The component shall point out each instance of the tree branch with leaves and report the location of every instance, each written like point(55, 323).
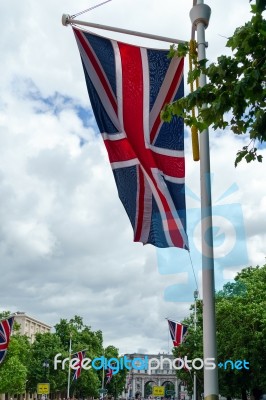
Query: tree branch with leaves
point(235, 95)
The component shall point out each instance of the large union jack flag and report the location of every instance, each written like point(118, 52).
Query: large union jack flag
point(128, 87)
point(178, 332)
point(80, 355)
point(5, 333)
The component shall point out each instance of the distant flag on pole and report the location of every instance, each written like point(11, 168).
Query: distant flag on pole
point(109, 375)
point(5, 333)
point(128, 87)
point(178, 332)
point(80, 355)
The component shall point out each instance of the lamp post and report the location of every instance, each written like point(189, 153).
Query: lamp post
point(45, 367)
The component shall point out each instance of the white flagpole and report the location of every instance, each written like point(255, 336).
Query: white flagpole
point(102, 394)
point(67, 20)
point(69, 369)
point(103, 383)
point(200, 15)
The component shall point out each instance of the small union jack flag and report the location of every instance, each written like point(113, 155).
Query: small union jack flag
point(128, 86)
point(5, 333)
point(109, 375)
point(80, 355)
point(177, 332)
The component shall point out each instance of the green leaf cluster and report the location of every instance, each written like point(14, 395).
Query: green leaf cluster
point(241, 335)
point(235, 95)
point(23, 367)
point(13, 374)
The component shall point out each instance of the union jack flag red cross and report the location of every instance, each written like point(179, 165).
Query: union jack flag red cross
point(5, 333)
point(80, 355)
point(128, 87)
point(109, 375)
point(178, 332)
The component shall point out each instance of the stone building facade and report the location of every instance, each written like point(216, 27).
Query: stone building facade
point(30, 326)
point(161, 374)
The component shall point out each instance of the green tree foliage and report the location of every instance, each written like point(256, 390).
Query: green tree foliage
point(235, 95)
point(43, 350)
point(148, 390)
point(13, 370)
point(242, 316)
point(82, 338)
point(23, 367)
point(13, 376)
point(241, 335)
point(192, 347)
point(118, 381)
point(86, 385)
point(4, 315)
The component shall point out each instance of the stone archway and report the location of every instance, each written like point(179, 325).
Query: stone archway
point(169, 388)
point(148, 388)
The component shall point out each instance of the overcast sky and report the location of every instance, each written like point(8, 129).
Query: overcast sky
point(65, 241)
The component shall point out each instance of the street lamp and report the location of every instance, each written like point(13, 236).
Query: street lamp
point(45, 366)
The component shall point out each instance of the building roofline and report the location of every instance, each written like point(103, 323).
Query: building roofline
point(24, 315)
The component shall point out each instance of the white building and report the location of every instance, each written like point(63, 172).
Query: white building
point(30, 326)
point(160, 374)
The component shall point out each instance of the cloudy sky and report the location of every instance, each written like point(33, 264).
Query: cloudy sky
point(65, 242)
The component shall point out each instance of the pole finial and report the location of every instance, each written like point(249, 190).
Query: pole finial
point(65, 19)
point(200, 13)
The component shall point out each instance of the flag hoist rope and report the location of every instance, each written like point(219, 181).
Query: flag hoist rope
point(89, 9)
